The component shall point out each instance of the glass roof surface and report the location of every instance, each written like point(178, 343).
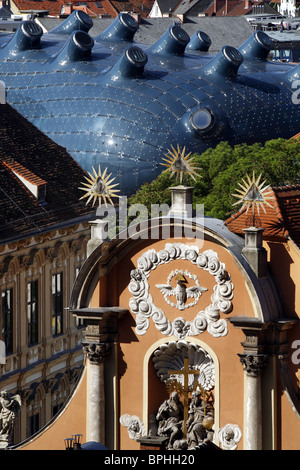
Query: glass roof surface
point(125, 109)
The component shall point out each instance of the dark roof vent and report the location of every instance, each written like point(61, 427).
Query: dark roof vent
point(123, 28)
point(77, 47)
point(173, 42)
point(257, 46)
point(130, 65)
point(77, 21)
point(200, 41)
point(27, 36)
point(226, 63)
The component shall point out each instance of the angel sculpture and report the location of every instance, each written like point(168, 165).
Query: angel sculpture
point(10, 407)
point(181, 292)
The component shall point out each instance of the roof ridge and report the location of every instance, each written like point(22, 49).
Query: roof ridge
point(286, 187)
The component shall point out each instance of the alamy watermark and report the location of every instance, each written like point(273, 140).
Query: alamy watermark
point(296, 354)
point(296, 93)
point(136, 221)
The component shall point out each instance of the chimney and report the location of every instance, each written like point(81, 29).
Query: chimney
point(98, 235)
point(2, 93)
point(2, 352)
point(182, 201)
point(254, 252)
point(218, 4)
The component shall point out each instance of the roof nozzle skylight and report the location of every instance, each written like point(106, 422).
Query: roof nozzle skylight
point(27, 37)
point(77, 21)
point(123, 28)
point(200, 41)
point(130, 65)
point(257, 46)
point(173, 42)
point(78, 47)
point(226, 63)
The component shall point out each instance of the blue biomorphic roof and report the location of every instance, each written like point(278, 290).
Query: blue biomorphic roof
point(112, 101)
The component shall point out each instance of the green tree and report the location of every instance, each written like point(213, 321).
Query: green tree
point(222, 168)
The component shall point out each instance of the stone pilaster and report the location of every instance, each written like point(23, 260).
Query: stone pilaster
point(254, 360)
point(100, 335)
point(254, 366)
point(96, 354)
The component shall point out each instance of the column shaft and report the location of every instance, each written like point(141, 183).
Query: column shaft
point(95, 403)
point(253, 418)
point(253, 364)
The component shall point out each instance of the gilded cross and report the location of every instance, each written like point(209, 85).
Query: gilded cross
point(185, 372)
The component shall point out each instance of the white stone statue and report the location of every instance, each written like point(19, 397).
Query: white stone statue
point(9, 409)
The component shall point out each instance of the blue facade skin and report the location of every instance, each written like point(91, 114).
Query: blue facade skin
point(111, 101)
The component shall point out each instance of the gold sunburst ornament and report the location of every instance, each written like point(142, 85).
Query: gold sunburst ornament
point(179, 163)
point(99, 186)
point(253, 194)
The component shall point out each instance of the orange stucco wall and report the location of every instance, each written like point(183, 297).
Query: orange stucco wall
point(70, 421)
point(140, 390)
point(284, 259)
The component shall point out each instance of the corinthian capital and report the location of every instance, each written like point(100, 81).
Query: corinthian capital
point(96, 352)
point(253, 364)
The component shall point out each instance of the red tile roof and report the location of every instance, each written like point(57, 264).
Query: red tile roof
point(91, 7)
point(30, 153)
point(232, 8)
point(280, 222)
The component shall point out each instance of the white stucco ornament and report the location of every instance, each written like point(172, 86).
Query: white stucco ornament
point(229, 436)
point(170, 356)
point(134, 424)
point(142, 305)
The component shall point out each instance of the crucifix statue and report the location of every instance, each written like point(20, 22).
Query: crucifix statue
point(185, 372)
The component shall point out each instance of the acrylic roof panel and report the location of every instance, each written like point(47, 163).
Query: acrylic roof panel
point(111, 101)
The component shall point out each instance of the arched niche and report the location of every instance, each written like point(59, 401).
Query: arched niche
point(149, 372)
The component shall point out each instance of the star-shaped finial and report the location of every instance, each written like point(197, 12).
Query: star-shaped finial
point(99, 187)
point(180, 164)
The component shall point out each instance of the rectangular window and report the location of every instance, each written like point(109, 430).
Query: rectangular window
point(56, 409)
point(33, 312)
point(8, 319)
point(57, 304)
point(33, 424)
point(79, 321)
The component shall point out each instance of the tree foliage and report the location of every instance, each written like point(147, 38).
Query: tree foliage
point(222, 168)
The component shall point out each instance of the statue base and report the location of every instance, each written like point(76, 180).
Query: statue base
point(153, 443)
point(4, 443)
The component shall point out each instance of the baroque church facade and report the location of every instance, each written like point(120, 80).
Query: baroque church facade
point(188, 341)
